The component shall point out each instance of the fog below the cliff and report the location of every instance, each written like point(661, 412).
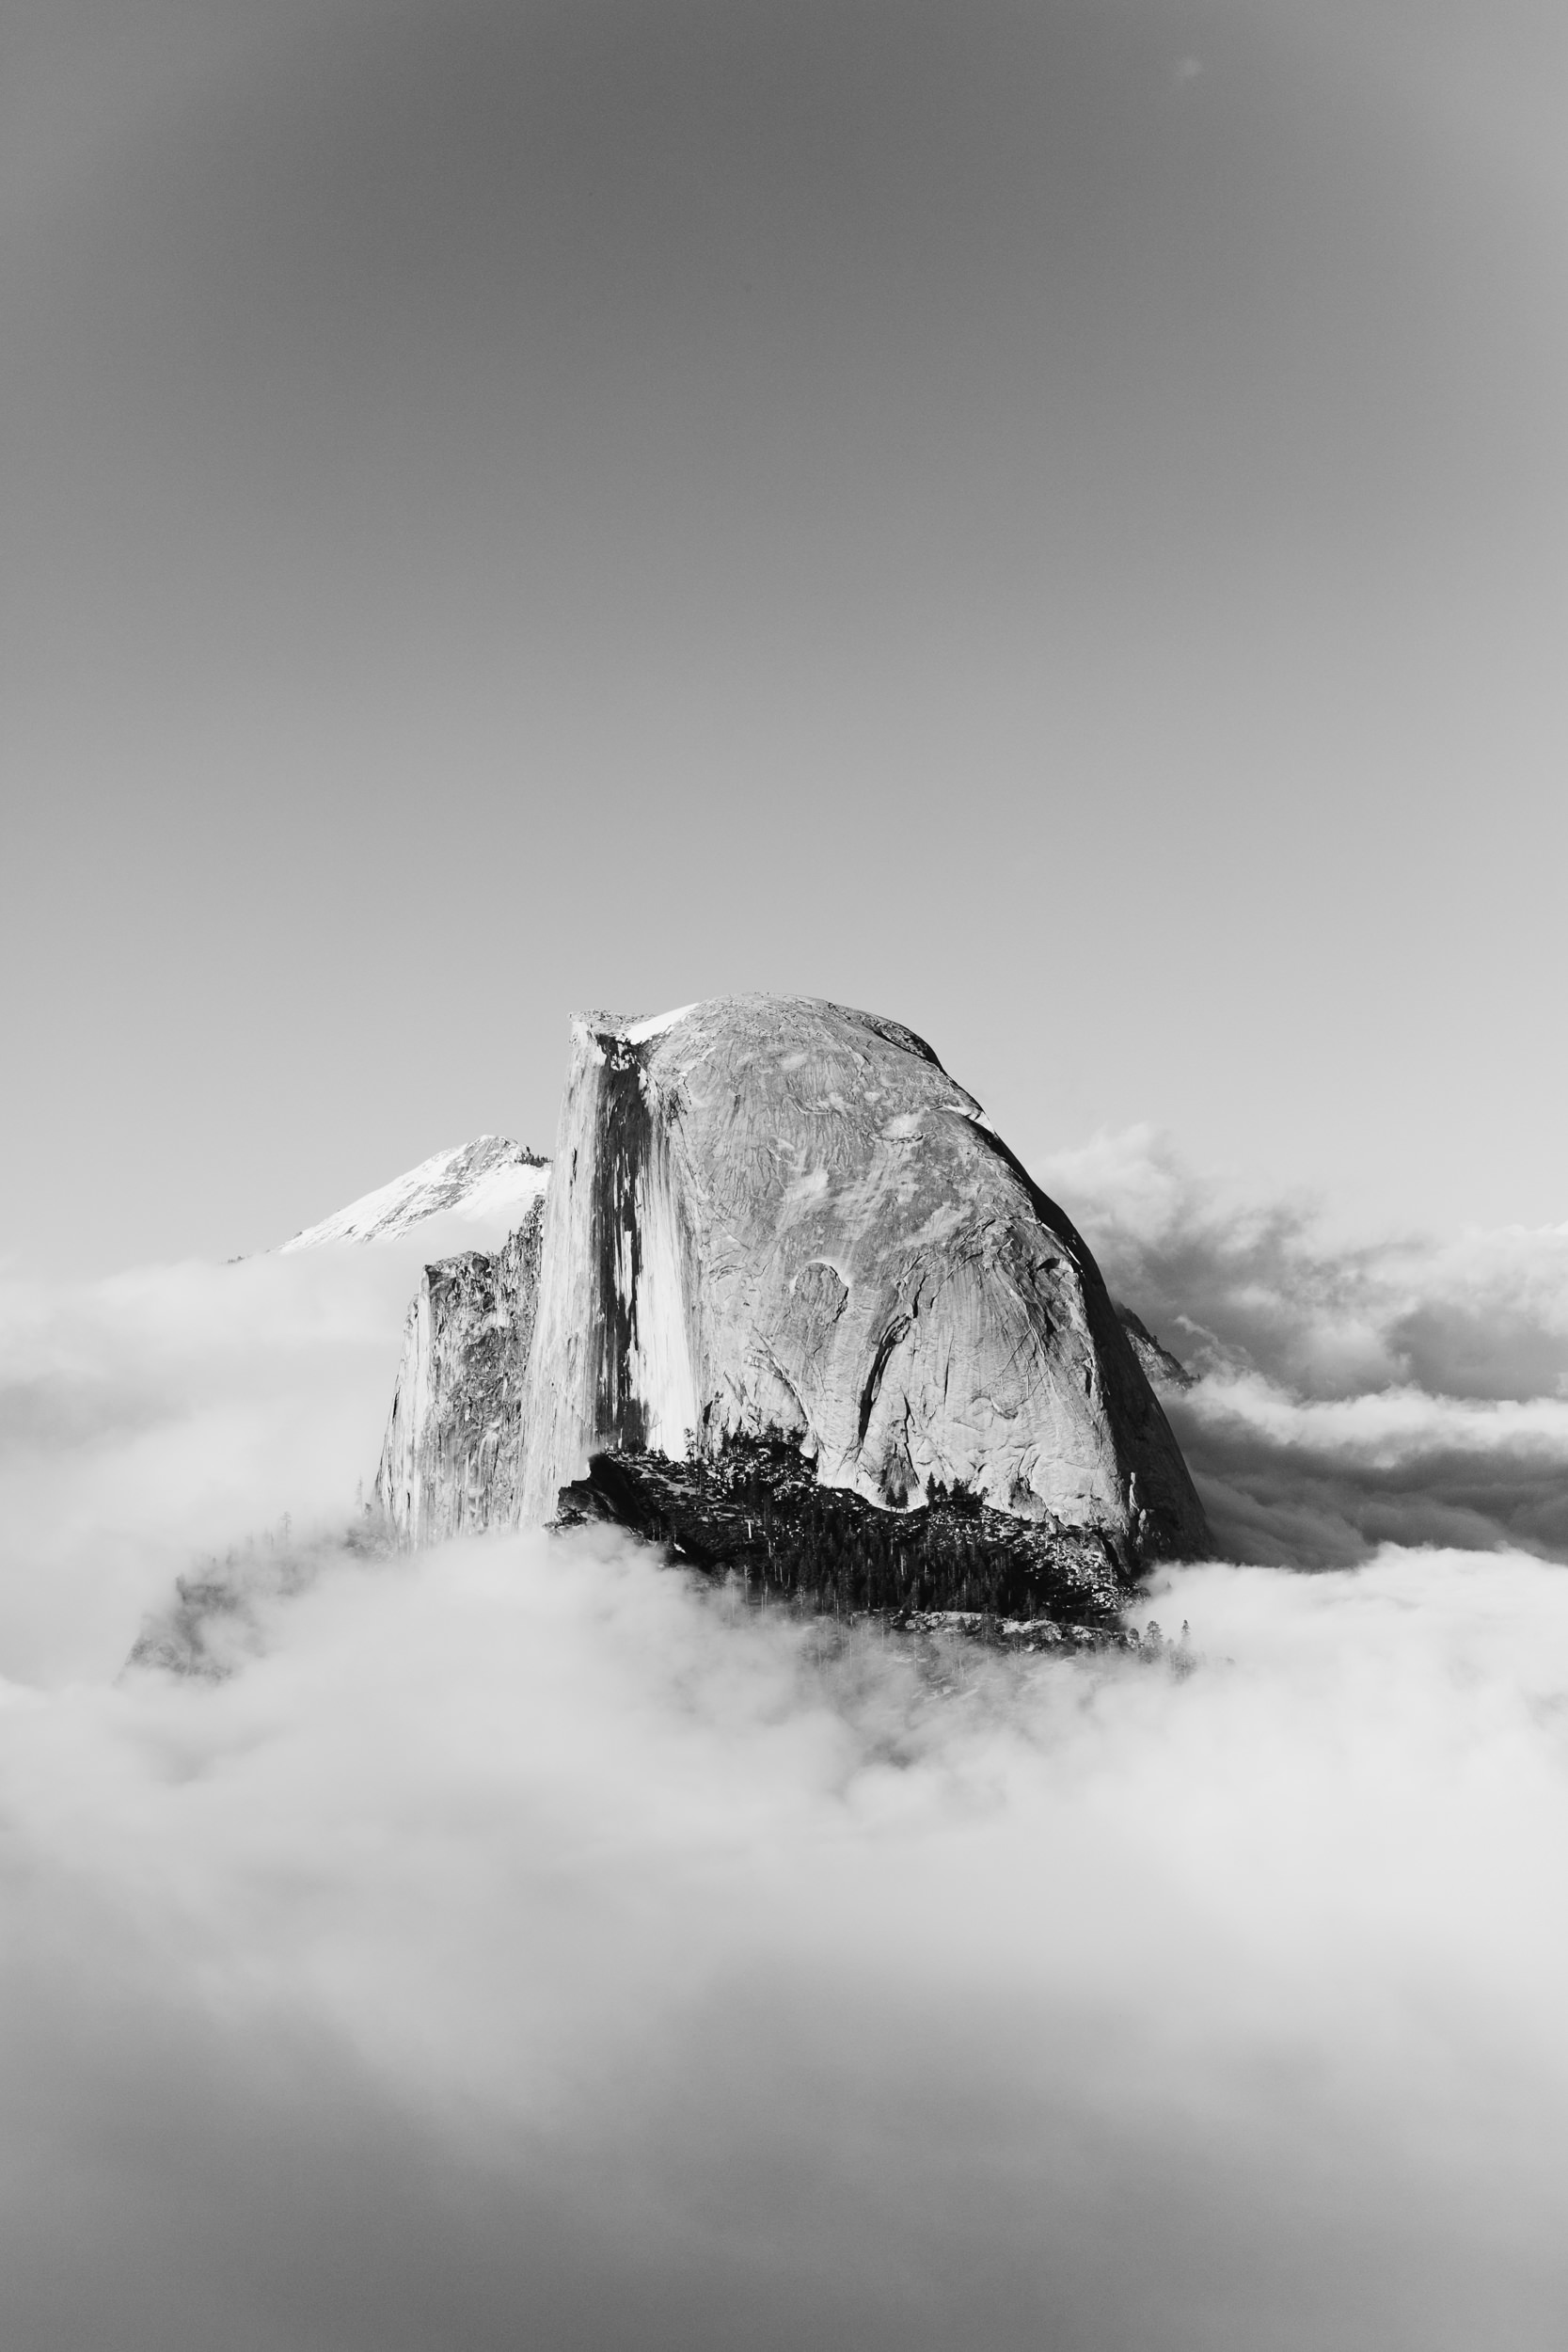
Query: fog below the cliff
point(526, 1946)
point(1404, 1389)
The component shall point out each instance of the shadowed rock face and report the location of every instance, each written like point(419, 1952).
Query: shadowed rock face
point(776, 1216)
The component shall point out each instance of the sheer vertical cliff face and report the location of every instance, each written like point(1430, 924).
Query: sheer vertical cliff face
point(451, 1461)
point(620, 1287)
point(779, 1216)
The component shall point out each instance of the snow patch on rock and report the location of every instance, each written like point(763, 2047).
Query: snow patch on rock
point(487, 1182)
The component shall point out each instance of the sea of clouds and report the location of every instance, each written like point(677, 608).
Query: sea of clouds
point(530, 1946)
point(1406, 1391)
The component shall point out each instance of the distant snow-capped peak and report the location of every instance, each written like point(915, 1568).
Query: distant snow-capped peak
point(479, 1182)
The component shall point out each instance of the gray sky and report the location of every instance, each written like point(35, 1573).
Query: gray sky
point(1046, 520)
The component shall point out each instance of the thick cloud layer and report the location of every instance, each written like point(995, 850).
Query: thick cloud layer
point(165, 1414)
point(528, 1946)
point(528, 1949)
point(1406, 1390)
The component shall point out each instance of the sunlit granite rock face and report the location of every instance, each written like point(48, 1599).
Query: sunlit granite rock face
point(451, 1461)
point(773, 1219)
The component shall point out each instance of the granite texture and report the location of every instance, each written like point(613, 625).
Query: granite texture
point(776, 1217)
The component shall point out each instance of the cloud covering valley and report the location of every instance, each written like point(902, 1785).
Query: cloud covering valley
point(1404, 1390)
point(527, 1944)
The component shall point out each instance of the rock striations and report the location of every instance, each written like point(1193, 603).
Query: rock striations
point(788, 1277)
point(451, 1461)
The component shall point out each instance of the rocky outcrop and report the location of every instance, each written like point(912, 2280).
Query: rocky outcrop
point(451, 1464)
point(774, 1219)
point(754, 1508)
point(1163, 1369)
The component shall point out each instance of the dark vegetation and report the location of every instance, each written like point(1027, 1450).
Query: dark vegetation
point(754, 1509)
point(954, 1569)
point(215, 1622)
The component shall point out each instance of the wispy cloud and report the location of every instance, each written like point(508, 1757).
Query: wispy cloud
point(1405, 1390)
point(155, 1415)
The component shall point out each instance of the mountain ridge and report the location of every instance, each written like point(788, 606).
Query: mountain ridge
point(476, 1180)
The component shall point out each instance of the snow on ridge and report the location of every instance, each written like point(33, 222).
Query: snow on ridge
point(484, 1179)
point(639, 1032)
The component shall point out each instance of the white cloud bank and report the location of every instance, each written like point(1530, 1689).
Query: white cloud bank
point(1406, 1391)
point(530, 1949)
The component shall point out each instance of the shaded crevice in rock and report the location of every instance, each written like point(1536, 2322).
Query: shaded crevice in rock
point(620, 1160)
point(885, 1346)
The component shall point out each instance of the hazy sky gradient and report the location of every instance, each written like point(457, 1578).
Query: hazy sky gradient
point(1048, 521)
